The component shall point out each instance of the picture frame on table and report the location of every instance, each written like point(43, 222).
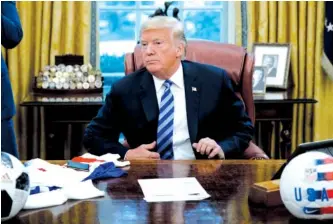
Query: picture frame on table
point(259, 80)
point(276, 58)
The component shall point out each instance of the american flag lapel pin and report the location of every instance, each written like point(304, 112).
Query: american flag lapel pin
point(194, 89)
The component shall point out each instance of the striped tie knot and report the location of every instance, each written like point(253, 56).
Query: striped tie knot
point(167, 84)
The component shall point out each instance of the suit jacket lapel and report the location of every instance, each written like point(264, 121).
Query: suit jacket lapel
point(148, 97)
point(192, 95)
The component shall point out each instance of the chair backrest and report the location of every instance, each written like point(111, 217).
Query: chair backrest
point(234, 59)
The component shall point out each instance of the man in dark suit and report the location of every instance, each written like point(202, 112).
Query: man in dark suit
point(170, 109)
point(258, 80)
point(11, 35)
point(268, 62)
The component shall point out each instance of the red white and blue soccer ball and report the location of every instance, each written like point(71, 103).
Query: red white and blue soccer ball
point(306, 186)
point(14, 186)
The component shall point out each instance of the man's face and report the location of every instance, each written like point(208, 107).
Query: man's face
point(268, 62)
point(160, 52)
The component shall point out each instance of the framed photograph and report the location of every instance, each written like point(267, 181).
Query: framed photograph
point(276, 59)
point(259, 80)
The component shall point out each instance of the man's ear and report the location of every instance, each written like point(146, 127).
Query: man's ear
point(180, 49)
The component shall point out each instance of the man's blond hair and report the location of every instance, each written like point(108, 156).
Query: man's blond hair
point(161, 22)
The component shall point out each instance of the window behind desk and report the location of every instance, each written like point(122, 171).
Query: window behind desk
point(119, 24)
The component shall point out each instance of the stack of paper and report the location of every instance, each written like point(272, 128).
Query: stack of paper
point(172, 189)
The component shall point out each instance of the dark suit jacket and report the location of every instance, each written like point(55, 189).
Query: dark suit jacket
point(131, 107)
point(11, 35)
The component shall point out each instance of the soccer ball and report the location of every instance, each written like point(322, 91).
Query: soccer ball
point(14, 186)
point(306, 186)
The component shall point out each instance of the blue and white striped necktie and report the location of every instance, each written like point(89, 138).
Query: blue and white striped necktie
point(165, 123)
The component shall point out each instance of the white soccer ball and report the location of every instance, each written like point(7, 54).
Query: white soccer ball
point(306, 186)
point(14, 186)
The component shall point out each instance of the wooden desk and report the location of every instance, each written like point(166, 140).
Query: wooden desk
point(227, 182)
point(61, 115)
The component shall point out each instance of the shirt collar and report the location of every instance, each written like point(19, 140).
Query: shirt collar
point(177, 79)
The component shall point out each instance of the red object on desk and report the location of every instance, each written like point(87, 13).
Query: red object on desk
point(80, 159)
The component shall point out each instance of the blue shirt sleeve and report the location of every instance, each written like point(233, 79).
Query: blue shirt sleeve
point(11, 29)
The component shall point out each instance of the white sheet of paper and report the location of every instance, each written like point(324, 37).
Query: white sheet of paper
point(172, 189)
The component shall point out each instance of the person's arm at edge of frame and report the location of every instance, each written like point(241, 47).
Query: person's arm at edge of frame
point(243, 130)
point(102, 134)
point(11, 29)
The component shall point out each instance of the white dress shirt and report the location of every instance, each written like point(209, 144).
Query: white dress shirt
point(182, 148)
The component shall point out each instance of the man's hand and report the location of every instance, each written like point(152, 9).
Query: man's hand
point(207, 146)
point(142, 152)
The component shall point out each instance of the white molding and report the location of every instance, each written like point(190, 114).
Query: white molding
point(231, 23)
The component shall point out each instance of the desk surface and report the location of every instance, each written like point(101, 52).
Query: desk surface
point(227, 182)
point(97, 99)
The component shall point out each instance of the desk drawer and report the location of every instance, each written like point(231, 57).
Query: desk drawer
point(276, 112)
point(71, 114)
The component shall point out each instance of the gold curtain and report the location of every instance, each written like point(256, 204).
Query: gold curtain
point(301, 24)
point(49, 28)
